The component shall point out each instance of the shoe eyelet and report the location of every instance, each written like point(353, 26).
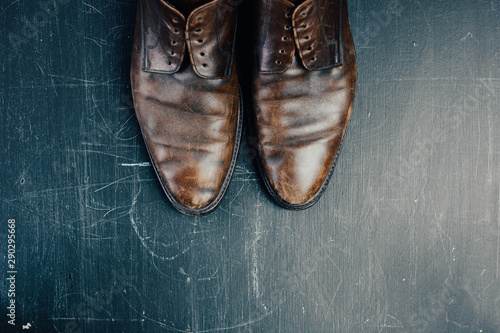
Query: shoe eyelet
point(313, 59)
point(204, 65)
point(307, 37)
point(199, 30)
point(202, 54)
point(170, 63)
point(284, 38)
point(278, 62)
point(303, 26)
point(200, 41)
point(176, 30)
point(287, 27)
point(200, 19)
point(175, 20)
point(303, 14)
point(288, 15)
point(309, 48)
point(172, 52)
point(174, 42)
point(282, 51)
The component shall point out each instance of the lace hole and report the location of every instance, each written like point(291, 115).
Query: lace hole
point(175, 20)
point(198, 30)
point(204, 65)
point(176, 30)
point(200, 41)
point(288, 15)
point(172, 52)
point(303, 14)
point(284, 38)
point(282, 51)
point(309, 48)
point(200, 19)
point(313, 59)
point(278, 62)
point(307, 37)
point(287, 27)
point(174, 42)
point(303, 26)
point(202, 54)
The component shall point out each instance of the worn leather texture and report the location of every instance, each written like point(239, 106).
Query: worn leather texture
point(303, 97)
point(186, 98)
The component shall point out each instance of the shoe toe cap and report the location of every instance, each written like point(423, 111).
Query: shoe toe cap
point(297, 176)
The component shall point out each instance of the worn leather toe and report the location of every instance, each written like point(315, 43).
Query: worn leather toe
point(303, 93)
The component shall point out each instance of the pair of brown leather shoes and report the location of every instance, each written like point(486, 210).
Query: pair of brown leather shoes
point(188, 103)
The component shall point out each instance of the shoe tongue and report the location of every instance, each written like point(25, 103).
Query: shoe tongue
point(187, 6)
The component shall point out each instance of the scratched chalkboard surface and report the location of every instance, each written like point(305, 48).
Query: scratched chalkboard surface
point(405, 239)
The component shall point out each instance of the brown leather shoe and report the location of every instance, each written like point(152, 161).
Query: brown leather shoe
point(303, 93)
point(186, 97)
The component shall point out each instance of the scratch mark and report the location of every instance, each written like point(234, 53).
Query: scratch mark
point(121, 145)
point(12, 4)
point(244, 324)
point(73, 78)
point(498, 239)
point(469, 35)
point(254, 242)
point(96, 42)
point(142, 164)
point(49, 192)
point(144, 240)
point(94, 319)
point(85, 151)
point(446, 254)
point(497, 270)
point(97, 10)
point(490, 149)
point(210, 277)
point(107, 126)
point(100, 238)
point(53, 85)
point(243, 171)
point(125, 123)
point(341, 278)
point(120, 29)
point(41, 70)
point(23, 173)
point(112, 183)
point(111, 210)
point(104, 207)
point(236, 196)
point(224, 210)
point(255, 255)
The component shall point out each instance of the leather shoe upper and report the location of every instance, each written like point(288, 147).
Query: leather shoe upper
point(186, 98)
point(303, 93)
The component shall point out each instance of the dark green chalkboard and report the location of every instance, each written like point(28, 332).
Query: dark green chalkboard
point(405, 239)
